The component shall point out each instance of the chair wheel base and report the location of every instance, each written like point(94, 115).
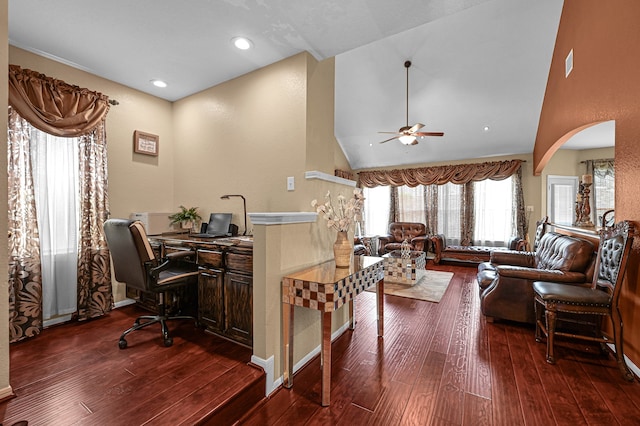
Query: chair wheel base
point(122, 344)
point(550, 360)
point(168, 341)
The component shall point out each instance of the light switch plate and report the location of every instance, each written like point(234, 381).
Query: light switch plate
point(291, 183)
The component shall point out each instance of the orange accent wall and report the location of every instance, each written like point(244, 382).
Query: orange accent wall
point(604, 85)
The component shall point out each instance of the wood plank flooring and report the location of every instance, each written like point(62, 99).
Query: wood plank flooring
point(439, 363)
point(443, 364)
point(75, 374)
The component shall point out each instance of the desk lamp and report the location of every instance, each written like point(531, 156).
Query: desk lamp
point(244, 204)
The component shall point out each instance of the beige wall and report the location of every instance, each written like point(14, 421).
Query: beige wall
point(5, 387)
point(246, 136)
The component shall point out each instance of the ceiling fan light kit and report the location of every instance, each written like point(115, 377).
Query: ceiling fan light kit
point(409, 135)
point(407, 139)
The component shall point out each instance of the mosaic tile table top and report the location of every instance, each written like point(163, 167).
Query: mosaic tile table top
point(327, 288)
point(404, 271)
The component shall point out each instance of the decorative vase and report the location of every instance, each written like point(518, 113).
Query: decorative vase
point(342, 250)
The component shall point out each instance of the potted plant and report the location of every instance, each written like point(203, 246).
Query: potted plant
point(188, 218)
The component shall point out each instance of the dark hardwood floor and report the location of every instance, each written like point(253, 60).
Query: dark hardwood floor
point(442, 363)
point(75, 374)
point(439, 363)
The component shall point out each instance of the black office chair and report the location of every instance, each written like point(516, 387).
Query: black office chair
point(135, 264)
point(598, 300)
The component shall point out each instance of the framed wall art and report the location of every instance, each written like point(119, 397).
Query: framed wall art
point(145, 143)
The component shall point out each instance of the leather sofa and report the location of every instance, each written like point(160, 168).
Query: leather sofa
point(506, 282)
point(415, 234)
point(471, 253)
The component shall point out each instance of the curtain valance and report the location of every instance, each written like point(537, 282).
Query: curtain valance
point(458, 174)
point(54, 106)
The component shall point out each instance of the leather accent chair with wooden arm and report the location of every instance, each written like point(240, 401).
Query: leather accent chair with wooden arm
point(557, 302)
point(135, 264)
point(415, 233)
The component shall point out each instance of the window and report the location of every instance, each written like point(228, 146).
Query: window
point(56, 183)
point(493, 205)
point(450, 211)
point(561, 197)
point(411, 204)
point(376, 210)
point(604, 188)
point(495, 216)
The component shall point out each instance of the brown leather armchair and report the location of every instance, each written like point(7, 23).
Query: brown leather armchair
point(506, 290)
point(415, 234)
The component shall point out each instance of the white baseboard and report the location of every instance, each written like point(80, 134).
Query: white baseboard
point(6, 393)
point(56, 320)
point(267, 366)
point(272, 384)
point(124, 302)
point(634, 368)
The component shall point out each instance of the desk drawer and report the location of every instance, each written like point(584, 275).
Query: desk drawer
point(240, 262)
point(210, 257)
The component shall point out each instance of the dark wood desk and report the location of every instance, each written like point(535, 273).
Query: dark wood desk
point(326, 288)
point(225, 284)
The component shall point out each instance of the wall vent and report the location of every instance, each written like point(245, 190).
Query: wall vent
point(568, 64)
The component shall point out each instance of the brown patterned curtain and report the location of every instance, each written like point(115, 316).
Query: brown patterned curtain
point(467, 215)
point(95, 297)
point(462, 174)
point(25, 285)
point(54, 106)
point(394, 205)
point(431, 208)
point(63, 110)
point(343, 174)
point(522, 221)
point(459, 174)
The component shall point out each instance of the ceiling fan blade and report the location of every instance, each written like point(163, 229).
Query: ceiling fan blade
point(391, 133)
point(416, 127)
point(429, 134)
point(390, 139)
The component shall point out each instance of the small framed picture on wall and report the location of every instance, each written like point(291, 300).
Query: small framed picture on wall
point(145, 143)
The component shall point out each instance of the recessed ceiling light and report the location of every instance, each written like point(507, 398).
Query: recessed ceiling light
point(486, 128)
point(158, 83)
point(242, 43)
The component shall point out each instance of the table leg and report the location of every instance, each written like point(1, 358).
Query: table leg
point(352, 316)
point(326, 357)
point(380, 302)
point(287, 338)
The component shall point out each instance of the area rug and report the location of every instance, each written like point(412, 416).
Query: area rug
point(431, 286)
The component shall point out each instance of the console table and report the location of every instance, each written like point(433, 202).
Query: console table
point(326, 288)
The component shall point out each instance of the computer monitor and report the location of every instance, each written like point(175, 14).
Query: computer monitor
point(219, 224)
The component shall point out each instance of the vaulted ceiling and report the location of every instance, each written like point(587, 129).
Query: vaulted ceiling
point(476, 64)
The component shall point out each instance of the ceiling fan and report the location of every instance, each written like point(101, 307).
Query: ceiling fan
point(409, 135)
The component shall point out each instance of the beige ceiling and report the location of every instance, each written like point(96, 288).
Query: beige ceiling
point(476, 63)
